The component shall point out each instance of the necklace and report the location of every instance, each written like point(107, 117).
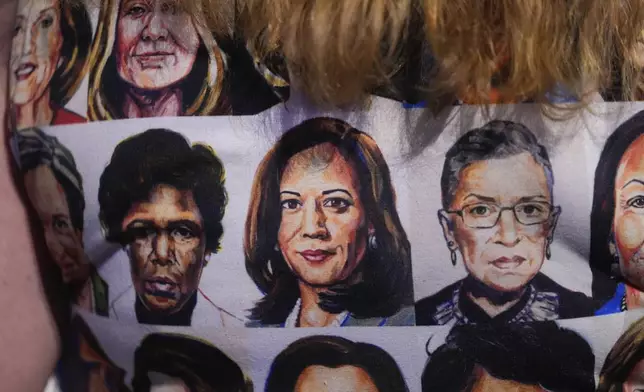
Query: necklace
point(292, 319)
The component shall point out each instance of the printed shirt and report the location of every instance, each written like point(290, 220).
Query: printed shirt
point(196, 194)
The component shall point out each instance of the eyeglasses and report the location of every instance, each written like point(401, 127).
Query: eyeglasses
point(485, 216)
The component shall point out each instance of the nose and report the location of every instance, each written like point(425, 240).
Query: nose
point(27, 42)
point(507, 232)
point(314, 221)
point(162, 247)
point(155, 29)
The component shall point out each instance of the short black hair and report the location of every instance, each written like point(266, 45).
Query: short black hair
point(155, 157)
point(200, 365)
point(603, 208)
point(333, 352)
point(540, 353)
point(36, 148)
point(494, 140)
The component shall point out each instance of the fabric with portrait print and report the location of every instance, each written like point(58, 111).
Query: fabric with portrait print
point(214, 231)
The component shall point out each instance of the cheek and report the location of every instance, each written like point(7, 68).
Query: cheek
point(127, 37)
point(48, 45)
point(189, 257)
point(629, 234)
point(346, 227)
point(139, 254)
point(186, 35)
point(471, 243)
point(289, 225)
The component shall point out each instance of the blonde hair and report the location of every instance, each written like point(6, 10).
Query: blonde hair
point(612, 30)
point(336, 50)
point(523, 49)
point(207, 100)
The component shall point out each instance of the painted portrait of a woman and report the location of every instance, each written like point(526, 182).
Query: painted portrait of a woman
point(323, 240)
point(151, 58)
point(499, 217)
point(623, 369)
point(617, 220)
point(51, 42)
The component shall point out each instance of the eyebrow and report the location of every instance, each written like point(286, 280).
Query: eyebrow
point(532, 198)
point(337, 190)
point(327, 192)
point(171, 224)
point(635, 180)
point(493, 200)
point(46, 10)
point(480, 197)
point(290, 193)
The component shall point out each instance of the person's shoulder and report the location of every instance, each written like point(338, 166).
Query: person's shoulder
point(64, 116)
point(405, 317)
point(260, 324)
point(572, 304)
point(426, 308)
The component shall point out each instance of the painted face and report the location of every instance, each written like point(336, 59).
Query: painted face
point(506, 256)
point(635, 381)
point(63, 240)
point(628, 222)
point(35, 51)
point(156, 43)
point(163, 383)
point(341, 379)
point(102, 375)
point(167, 248)
point(323, 229)
point(486, 383)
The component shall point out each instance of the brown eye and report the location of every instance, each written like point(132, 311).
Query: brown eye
point(290, 204)
point(336, 202)
point(47, 22)
point(169, 8)
point(136, 11)
point(182, 234)
point(636, 202)
point(480, 210)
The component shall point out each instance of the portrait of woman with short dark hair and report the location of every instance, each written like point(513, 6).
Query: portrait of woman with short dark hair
point(183, 363)
point(498, 218)
point(323, 240)
point(163, 200)
point(49, 53)
point(54, 187)
point(334, 364)
point(617, 219)
point(533, 357)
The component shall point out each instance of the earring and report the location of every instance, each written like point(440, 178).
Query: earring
point(373, 242)
point(276, 248)
point(452, 255)
point(548, 252)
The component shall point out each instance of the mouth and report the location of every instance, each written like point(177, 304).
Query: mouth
point(505, 263)
point(25, 70)
point(316, 255)
point(162, 287)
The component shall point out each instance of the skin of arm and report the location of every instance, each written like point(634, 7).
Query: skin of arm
point(29, 335)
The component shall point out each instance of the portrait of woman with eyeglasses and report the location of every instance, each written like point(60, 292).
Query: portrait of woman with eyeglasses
point(498, 218)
